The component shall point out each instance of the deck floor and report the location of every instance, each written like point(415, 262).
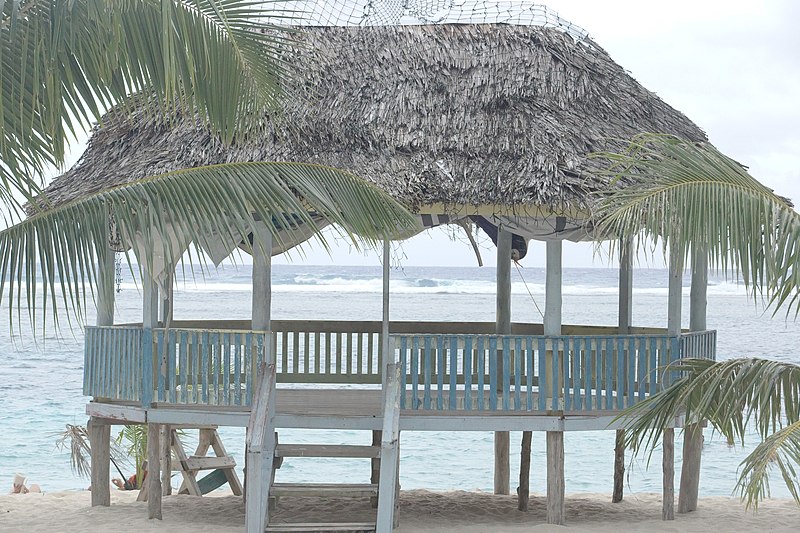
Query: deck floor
point(362, 409)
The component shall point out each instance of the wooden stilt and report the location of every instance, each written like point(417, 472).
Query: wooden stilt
point(166, 459)
point(375, 463)
point(153, 471)
point(668, 467)
point(619, 466)
point(690, 469)
point(625, 321)
point(502, 440)
point(523, 492)
point(555, 477)
point(693, 433)
point(100, 445)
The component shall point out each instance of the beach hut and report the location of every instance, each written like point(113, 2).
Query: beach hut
point(486, 123)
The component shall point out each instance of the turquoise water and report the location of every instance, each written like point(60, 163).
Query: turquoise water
point(40, 382)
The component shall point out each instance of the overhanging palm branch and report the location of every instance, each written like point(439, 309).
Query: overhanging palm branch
point(691, 195)
point(167, 212)
point(76, 438)
point(732, 395)
point(66, 61)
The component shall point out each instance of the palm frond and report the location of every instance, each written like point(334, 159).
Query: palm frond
point(732, 395)
point(728, 394)
point(781, 450)
point(76, 439)
point(66, 61)
point(163, 214)
point(691, 195)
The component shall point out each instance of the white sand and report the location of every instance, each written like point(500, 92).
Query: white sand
point(420, 510)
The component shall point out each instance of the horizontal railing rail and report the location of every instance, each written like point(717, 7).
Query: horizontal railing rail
point(441, 371)
point(532, 373)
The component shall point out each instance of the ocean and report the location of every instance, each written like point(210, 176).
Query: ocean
point(40, 381)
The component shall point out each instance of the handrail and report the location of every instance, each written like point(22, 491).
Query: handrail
point(217, 366)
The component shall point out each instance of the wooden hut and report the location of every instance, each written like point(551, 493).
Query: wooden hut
point(486, 122)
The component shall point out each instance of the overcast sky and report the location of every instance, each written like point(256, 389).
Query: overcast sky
point(733, 67)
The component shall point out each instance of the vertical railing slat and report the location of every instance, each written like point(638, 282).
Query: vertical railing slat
point(403, 376)
point(493, 373)
point(481, 374)
point(453, 370)
point(428, 373)
point(415, 372)
point(468, 373)
point(518, 358)
point(506, 371)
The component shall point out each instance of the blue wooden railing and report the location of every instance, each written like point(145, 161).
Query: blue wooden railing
point(539, 373)
point(439, 371)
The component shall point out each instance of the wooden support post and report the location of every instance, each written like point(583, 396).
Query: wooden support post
point(99, 433)
point(262, 278)
point(668, 467)
point(153, 471)
point(619, 466)
point(502, 441)
point(675, 292)
point(555, 439)
point(166, 459)
point(555, 477)
point(375, 463)
point(100, 446)
point(693, 433)
point(106, 272)
point(149, 321)
point(625, 323)
point(260, 449)
point(167, 303)
point(385, 348)
point(390, 455)
point(523, 492)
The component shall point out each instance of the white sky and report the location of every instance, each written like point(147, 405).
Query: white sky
point(733, 67)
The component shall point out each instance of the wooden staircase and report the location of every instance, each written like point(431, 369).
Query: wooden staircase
point(265, 455)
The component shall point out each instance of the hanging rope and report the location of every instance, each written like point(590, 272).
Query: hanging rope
point(519, 271)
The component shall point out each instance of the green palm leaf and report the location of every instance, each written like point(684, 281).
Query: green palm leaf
point(731, 395)
point(199, 205)
point(691, 195)
point(781, 450)
point(66, 61)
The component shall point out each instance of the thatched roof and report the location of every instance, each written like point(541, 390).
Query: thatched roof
point(462, 115)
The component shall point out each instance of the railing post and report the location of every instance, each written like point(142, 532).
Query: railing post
point(149, 322)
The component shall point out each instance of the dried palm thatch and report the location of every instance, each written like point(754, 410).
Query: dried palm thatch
point(451, 115)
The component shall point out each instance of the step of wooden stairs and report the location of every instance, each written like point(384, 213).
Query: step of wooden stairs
point(326, 450)
point(324, 527)
point(325, 490)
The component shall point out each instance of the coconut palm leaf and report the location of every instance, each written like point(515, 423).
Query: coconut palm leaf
point(691, 195)
point(66, 61)
point(163, 214)
point(732, 395)
point(76, 439)
point(781, 450)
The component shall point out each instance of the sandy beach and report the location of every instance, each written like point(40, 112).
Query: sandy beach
point(420, 510)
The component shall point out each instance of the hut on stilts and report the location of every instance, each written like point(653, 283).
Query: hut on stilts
point(463, 121)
